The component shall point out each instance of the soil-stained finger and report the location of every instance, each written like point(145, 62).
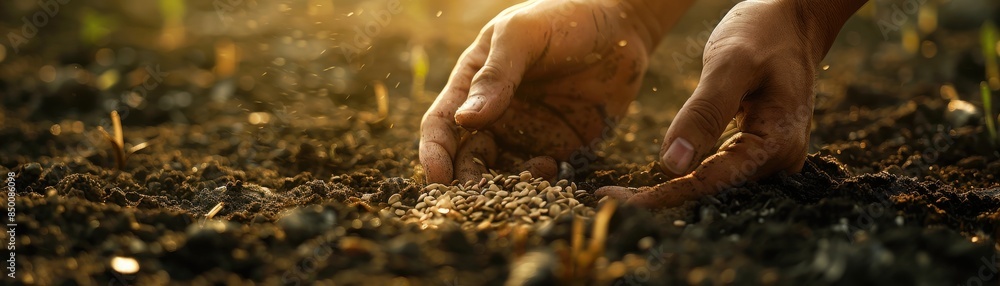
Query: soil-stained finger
point(747, 158)
point(542, 167)
point(477, 153)
point(621, 194)
point(438, 130)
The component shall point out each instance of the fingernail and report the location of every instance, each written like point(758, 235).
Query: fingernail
point(678, 156)
point(473, 104)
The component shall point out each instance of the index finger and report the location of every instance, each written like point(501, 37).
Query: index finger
point(438, 130)
point(746, 157)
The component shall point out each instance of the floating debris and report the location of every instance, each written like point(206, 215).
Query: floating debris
point(125, 265)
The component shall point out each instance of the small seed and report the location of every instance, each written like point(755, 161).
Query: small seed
point(536, 200)
point(562, 183)
point(510, 205)
point(484, 225)
point(543, 185)
point(420, 205)
point(521, 186)
point(525, 176)
point(445, 202)
point(554, 210)
point(394, 198)
point(520, 212)
point(400, 212)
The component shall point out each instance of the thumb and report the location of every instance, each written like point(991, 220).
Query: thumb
point(494, 84)
point(699, 123)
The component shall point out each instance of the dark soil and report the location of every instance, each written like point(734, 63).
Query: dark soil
point(895, 192)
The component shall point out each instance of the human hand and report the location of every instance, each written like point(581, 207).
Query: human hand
point(759, 69)
point(542, 79)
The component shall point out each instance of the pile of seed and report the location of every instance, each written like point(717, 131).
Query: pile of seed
point(495, 201)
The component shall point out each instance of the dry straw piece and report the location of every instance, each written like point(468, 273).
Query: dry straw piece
point(117, 141)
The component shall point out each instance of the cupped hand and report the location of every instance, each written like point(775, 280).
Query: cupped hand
point(759, 69)
point(542, 79)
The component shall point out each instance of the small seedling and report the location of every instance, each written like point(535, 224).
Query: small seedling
point(117, 141)
point(988, 40)
point(420, 66)
point(382, 98)
point(988, 111)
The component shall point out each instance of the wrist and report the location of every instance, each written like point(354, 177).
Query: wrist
point(821, 21)
point(652, 19)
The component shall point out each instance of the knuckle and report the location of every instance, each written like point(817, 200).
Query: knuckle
point(788, 149)
point(489, 72)
point(706, 116)
point(493, 74)
point(733, 54)
point(521, 22)
point(429, 117)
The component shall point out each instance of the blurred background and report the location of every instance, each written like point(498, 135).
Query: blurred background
point(67, 64)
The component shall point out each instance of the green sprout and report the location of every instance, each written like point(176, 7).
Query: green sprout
point(173, 12)
point(95, 27)
point(419, 64)
point(988, 39)
point(988, 111)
